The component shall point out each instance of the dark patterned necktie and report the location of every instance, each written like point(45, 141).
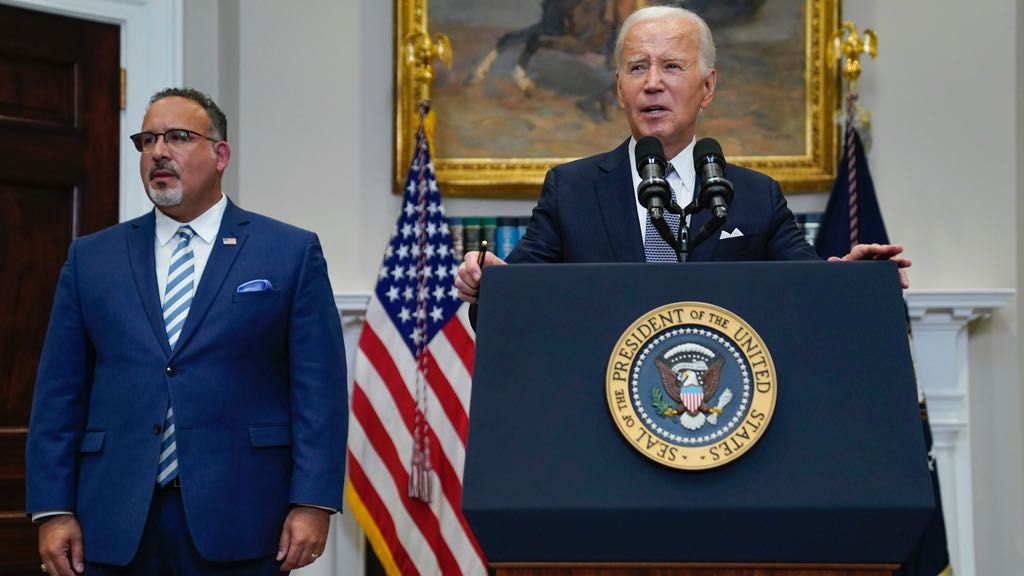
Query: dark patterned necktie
point(655, 247)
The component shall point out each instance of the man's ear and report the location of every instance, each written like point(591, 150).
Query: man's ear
point(709, 88)
point(223, 151)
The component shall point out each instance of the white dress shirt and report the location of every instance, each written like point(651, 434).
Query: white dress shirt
point(206, 227)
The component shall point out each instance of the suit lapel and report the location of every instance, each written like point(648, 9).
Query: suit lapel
point(222, 257)
point(705, 251)
point(613, 189)
point(141, 242)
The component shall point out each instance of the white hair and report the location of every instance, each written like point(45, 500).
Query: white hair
point(705, 43)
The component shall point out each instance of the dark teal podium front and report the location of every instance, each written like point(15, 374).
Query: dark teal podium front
point(840, 476)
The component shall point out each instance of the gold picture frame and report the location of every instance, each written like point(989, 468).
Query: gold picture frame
point(804, 111)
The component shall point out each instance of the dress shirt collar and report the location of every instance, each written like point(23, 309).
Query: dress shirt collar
point(205, 226)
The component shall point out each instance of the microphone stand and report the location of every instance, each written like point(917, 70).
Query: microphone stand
point(682, 240)
point(714, 223)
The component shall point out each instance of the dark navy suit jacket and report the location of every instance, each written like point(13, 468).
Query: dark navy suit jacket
point(587, 213)
point(257, 381)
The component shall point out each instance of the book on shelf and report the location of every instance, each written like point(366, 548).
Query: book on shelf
point(501, 232)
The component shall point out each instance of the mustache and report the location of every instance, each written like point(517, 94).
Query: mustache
point(164, 165)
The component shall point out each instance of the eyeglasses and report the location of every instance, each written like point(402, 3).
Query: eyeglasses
point(175, 138)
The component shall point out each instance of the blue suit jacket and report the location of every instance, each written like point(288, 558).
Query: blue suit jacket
point(257, 381)
point(587, 213)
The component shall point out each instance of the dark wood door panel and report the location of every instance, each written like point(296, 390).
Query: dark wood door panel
point(60, 103)
point(59, 129)
point(38, 224)
point(37, 91)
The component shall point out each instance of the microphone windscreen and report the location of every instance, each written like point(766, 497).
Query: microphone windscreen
point(646, 148)
point(707, 150)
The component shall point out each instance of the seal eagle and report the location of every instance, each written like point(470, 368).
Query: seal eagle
point(690, 392)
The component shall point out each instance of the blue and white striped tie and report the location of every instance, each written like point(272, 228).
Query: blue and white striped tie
point(177, 300)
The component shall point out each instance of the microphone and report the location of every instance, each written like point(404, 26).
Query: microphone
point(654, 192)
point(715, 191)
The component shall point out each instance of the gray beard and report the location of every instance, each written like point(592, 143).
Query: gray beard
point(166, 196)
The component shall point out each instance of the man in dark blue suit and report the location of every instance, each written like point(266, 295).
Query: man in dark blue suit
point(190, 408)
point(588, 209)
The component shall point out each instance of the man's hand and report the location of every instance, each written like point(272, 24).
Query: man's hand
point(303, 537)
point(880, 252)
point(468, 279)
point(60, 545)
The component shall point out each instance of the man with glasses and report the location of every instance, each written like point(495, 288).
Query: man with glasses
point(190, 408)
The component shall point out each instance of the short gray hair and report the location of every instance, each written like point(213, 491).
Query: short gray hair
point(218, 121)
point(705, 43)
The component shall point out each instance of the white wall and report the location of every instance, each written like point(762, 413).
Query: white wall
point(210, 55)
point(314, 125)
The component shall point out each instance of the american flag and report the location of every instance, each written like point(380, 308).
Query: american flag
point(410, 398)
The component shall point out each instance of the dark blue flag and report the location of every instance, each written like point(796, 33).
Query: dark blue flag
point(836, 235)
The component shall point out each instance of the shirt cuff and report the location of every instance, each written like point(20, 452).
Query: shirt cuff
point(331, 510)
point(38, 517)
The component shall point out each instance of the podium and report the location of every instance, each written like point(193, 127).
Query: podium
point(838, 482)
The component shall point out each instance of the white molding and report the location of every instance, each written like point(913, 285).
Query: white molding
point(939, 319)
point(352, 303)
point(151, 53)
point(961, 305)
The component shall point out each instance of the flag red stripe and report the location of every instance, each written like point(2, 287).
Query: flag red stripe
point(421, 515)
point(452, 487)
point(446, 396)
point(461, 342)
point(384, 364)
point(381, 517)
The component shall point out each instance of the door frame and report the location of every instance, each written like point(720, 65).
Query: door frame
point(151, 52)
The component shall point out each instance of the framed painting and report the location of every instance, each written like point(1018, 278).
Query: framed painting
point(532, 85)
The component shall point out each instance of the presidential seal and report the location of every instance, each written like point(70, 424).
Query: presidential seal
point(691, 385)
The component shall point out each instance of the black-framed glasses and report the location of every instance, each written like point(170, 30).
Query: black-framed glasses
point(175, 138)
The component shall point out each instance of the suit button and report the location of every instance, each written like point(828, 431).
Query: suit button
point(156, 429)
point(171, 370)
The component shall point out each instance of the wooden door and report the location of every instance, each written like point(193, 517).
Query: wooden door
point(59, 153)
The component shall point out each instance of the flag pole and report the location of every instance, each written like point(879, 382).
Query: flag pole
point(421, 49)
point(847, 51)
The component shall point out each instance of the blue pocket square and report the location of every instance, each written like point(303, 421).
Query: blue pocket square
point(258, 285)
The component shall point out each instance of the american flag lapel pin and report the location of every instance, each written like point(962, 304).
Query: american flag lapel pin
point(229, 241)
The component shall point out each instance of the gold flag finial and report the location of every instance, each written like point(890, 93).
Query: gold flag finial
point(849, 50)
point(421, 50)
